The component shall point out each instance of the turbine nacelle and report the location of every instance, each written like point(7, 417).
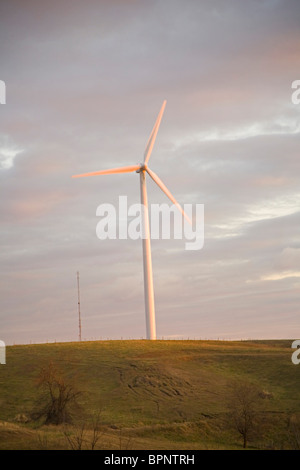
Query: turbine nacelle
point(143, 167)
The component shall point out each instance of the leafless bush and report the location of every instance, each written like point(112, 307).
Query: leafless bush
point(58, 399)
point(76, 437)
point(83, 437)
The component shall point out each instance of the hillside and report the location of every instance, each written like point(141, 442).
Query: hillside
point(152, 395)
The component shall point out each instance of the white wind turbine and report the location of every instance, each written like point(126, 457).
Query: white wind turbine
point(142, 169)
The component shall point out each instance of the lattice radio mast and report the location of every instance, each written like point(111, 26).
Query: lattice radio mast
point(79, 316)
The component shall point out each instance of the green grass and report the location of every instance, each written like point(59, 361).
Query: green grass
point(152, 395)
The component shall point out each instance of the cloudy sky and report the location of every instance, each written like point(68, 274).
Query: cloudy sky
point(84, 83)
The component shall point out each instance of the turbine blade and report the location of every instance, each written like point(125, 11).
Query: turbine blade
point(122, 169)
point(153, 135)
point(159, 183)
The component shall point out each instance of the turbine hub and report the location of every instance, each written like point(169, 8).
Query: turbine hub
point(143, 167)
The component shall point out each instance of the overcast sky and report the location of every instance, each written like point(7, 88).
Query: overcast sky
point(84, 83)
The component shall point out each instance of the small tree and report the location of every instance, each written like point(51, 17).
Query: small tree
point(244, 408)
point(58, 399)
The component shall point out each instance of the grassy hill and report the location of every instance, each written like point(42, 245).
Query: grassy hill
point(152, 395)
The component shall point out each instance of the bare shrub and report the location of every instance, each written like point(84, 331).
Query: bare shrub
point(245, 410)
point(82, 437)
point(58, 399)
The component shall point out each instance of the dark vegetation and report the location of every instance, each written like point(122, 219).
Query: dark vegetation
point(58, 402)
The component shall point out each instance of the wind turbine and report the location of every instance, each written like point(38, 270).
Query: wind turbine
point(142, 169)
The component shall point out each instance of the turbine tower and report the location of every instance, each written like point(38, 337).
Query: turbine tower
point(142, 169)
point(79, 315)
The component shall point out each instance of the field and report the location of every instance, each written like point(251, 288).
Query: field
point(152, 395)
